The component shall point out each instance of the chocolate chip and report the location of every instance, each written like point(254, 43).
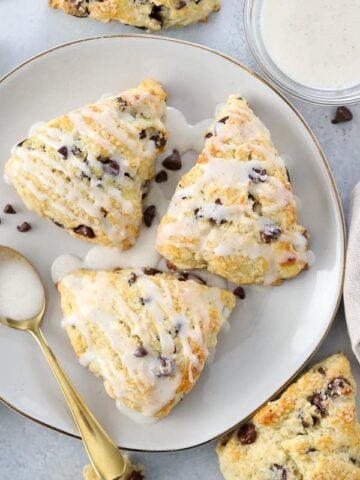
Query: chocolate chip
point(104, 212)
point(280, 471)
point(141, 352)
point(197, 278)
point(321, 370)
point(343, 114)
point(319, 401)
point(239, 292)
point(196, 213)
point(127, 174)
point(149, 215)
point(155, 13)
point(170, 265)
point(311, 450)
point(132, 279)
point(144, 301)
point(159, 140)
point(288, 175)
point(77, 151)
point(85, 231)
point(151, 271)
point(122, 104)
point(20, 144)
point(180, 4)
point(209, 135)
point(161, 176)
point(63, 152)
point(218, 201)
point(164, 367)
point(182, 276)
point(136, 476)
point(142, 134)
point(58, 224)
point(258, 175)
point(247, 434)
point(109, 166)
point(353, 460)
point(81, 9)
point(270, 232)
point(24, 227)
point(9, 209)
point(173, 161)
point(338, 386)
point(223, 120)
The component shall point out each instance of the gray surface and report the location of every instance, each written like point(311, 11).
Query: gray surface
point(28, 451)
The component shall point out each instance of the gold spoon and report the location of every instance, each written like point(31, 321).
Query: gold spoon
point(104, 455)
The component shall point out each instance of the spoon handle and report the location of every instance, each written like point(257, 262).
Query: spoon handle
point(104, 455)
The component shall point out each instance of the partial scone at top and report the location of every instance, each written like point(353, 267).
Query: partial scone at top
point(310, 433)
point(147, 14)
point(86, 171)
point(146, 333)
point(234, 212)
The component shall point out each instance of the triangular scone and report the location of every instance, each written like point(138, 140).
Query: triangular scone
point(310, 433)
point(234, 212)
point(86, 171)
point(148, 14)
point(146, 333)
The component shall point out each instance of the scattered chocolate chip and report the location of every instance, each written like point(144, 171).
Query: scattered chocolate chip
point(239, 292)
point(224, 119)
point(321, 370)
point(24, 227)
point(63, 152)
point(258, 175)
point(180, 4)
point(280, 471)
point(142, 134)
point(58, 224)
point(132, 279)
point(149, 215)
point(270, 232)
point(209, 135)
point(319, 401)
point(143, 300)
point(151, 271)
point(122, 104)
point(343, 114)
point(85, 231)
point(159, 140)
point(141, 352)
point(218, 201)
point(164, 368)
point(338, 386)
point(136, 476)
point(173, 161)
point(9, 209)
point(161, 176)
point(247, 434)
point(20, 144)
point(155, 13)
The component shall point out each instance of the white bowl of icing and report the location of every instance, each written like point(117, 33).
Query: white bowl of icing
point(310, 49)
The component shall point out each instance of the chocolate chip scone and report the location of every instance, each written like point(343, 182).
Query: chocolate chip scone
point(86, 171)
point(310, 433)
point(146, 333)
point(147, 14)
point(234, 212)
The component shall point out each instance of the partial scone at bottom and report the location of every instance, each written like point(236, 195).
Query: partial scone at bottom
point(86, 171)
point(146, 14)
point(234, 212)
point(310, 433)
point(147, 334)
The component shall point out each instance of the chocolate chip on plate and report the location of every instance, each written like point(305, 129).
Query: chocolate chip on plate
point(24, 227)
point(9, 209)
point(247, 434)
point(140, 352)
point(173, 161)
point(161, 176)
point(343, 114)
point(63, 152)
point(149, 215)
point(239, 292)
point(85, 231)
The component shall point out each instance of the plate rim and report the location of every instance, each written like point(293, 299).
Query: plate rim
point(330, 177)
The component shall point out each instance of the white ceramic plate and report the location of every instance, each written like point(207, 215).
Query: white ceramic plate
point(275, 330)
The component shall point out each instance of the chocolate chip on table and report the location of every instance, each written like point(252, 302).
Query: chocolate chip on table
point(151, 271)
point(9, 209)
point(247, 434)
point(161, 176)
point(319, 401)
point(159, 140)
point(270, 232)
point(149, 215)
point(239, 292)
point(24, 227)
point(164, 367)
point(132, 279)
point(63, 152)
point(258, 175)
point(173, 161)
point(140, 352)
point(85, 231)
point(122, 104)
point(180, 4)
point(136, 476)
point(338, 386)
point(280, 471)
point(343, 114)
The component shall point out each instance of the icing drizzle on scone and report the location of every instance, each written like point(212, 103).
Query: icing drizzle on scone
point(234, 212)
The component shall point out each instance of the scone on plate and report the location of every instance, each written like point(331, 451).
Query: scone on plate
point(146, 14)
point(147, 334)
point(310, 433)
point(234, 212)
point(86, 171)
